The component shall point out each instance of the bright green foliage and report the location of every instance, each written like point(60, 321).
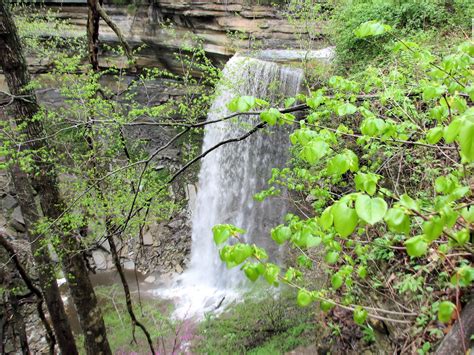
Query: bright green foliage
point(303, 298)
point(244, 328)
point(371, 210)
point(222, 232)
point(281, 234)
point(445, 311)
point(245, 104)
point(377, 155)
point(360, 315)
point(371, 28)
point(416, 246)
point(345, 218)
point(271, 116)
point(361, 33)
point(397, 220)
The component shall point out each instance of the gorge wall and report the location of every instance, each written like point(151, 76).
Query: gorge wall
point(222, 26)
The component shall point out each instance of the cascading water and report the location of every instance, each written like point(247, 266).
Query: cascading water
point(228, 179)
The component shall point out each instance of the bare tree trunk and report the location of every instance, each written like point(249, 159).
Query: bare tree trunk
point(13, 258)
point(93, 19)
point(44, 264)
point(44, 181)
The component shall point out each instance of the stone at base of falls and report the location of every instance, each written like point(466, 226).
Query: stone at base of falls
point(129, 265)
point(179, 269)
point(150, 279)
point(148, 238)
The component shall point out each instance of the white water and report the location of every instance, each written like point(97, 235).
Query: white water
point(228, 179)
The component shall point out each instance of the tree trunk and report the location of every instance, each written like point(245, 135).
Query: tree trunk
point(93, 18)
point(44, 264)
point(44, 181)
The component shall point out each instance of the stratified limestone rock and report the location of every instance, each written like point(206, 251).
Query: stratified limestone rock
point(166, 25)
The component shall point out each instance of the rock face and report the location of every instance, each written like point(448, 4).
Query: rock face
point(222, 26)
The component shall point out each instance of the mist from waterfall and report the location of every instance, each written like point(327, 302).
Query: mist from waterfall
point(229, 178)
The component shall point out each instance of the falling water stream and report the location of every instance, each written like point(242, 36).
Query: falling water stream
point(229, 178)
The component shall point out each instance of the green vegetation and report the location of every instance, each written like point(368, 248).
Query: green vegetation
point(258, 325)
point(432, 22)
point(413, 217)
point(382, 162)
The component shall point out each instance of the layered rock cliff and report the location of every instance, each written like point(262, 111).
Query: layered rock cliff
point(222, 26)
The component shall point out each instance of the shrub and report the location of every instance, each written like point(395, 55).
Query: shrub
point(407, 16)
point(271, 325)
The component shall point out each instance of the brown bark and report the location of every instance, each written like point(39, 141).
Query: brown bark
point(93, 19)
point(116, 29)
point(33, 289)
point(44, 264)
point(44, 181)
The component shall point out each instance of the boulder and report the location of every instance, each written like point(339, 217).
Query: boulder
point(16, 220)
point(99, 259)
point(150, 279)
point(8, 202)
point(129, 265)
point(148, 238)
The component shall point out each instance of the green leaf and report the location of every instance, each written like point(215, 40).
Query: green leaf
point(397, 220)
point(371, 28)
point(281, 234)
point(314, 150)
point(408, 202)
point(326, 306)
point(315, 100)
point(242, 104)
point(336, 281)
point(312, 241)
point(251, 270)
point(304, 298)
point(366, 182)
point(464, 276)
point(327, 219)
point(345, 219)
point(259, 253)
point(360, 315)
point(468, 214)
point(271, 273)
point(431, 92)
point(466, 141)
point(271, 116)
point(371, 210)
point(416, 246)
point(338, 165)
point(446, 184)
point(345, 109)
point(373, 127)
point(445, 311)
point(462, 236)
point(331, 257)
point(433, 228)
point(240, 252)
point(452, 131)
point(289, 102)
point(362, 272)
point(434, 135)
point(291, 274)
point(221, 233)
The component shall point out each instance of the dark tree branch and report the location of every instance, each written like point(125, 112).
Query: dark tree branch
point(29, 284)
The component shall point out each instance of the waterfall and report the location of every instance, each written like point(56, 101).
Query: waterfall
point(229, 178)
